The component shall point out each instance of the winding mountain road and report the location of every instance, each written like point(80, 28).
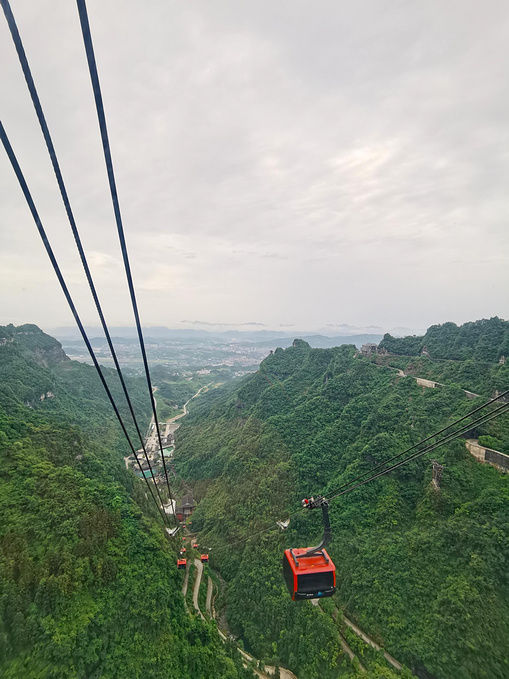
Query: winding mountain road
point(270, 670)
point(423, 382)
point(372, 643)
point(177, 417)
point(208, 605)
point(197, 583)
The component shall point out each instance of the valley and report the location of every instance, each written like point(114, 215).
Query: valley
point(250, 427)
point(416, 559)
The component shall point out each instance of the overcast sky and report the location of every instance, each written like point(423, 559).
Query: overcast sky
point(288, 163)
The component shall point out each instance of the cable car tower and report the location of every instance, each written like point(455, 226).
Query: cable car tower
point(437, 474)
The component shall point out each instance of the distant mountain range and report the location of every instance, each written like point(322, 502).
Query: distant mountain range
point(260, 338)
point(343, 334)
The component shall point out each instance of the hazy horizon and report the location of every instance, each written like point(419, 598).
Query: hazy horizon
point(244, 328)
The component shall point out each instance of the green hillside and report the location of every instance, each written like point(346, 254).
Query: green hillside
point(423, 572)
point(484, 340)
point(88, 581)
point(35, 369)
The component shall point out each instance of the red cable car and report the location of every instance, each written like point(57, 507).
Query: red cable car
point(195, 545)
point(182, 550)
point(181, 563)
point(309, 573)
point(204, 558)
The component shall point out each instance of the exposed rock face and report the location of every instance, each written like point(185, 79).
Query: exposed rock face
point(45, 357)
point(45, 350)
point(48, 394)
point(301, 343)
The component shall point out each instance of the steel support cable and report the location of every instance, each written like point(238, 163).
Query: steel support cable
point(89, 49)
point(498, 411)
point(447, 439)
point(416, 445)
point(67, 294)
point(65, 198)
point(501, 410)
point(420, 443)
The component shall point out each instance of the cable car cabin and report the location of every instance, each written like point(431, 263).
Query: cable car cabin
point(181, 563)
point(195, 545)
point(309, 576)
point(182, 550)
point(204, 558)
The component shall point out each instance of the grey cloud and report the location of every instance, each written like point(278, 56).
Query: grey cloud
point(226, 325)
point(333, 148)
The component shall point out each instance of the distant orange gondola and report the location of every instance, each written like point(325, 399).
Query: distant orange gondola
point(181, 564)
point(204, 558)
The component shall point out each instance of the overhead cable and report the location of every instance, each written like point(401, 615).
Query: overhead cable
point(420, 443)
point(65, 198)
point(501, 410)
point(89, 49)
point(67, 294)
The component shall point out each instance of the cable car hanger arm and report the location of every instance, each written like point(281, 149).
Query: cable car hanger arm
point(313, 503)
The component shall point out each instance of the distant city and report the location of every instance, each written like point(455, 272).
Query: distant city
point(233, 353)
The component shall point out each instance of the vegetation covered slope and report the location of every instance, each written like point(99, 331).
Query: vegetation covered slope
point(88, 581)
point(423, 572)
point(484, 340)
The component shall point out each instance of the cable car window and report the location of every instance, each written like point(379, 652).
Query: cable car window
point(315, 582)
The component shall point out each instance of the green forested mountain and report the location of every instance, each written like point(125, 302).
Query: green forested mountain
point(88, 584)
point(36, 371)
point(485, 340)
point(88, 581)
point(421, 571)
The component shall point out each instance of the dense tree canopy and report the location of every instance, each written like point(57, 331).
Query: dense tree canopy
point(88, 580)
point(484, 340)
